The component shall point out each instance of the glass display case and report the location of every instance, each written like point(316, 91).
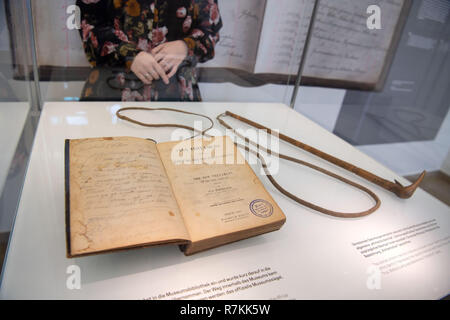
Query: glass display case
point(19, 112)
point(352, 98)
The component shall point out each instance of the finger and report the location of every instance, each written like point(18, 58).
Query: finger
point(158, 49)
point(148, 77)
point(161, 72)
point(174, 70)
point(159, 56)
point(166, 64)
point(142, 77)
point(151, 72)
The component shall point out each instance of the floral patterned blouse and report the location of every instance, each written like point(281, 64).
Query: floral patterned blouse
point(115, 31)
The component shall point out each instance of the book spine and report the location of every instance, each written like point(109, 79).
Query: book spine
point(67, 193)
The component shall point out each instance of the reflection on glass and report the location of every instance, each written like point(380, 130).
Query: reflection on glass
point(16, 125)
point(147, 50)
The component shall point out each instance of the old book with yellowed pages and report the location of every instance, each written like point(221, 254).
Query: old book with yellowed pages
point(126, 192)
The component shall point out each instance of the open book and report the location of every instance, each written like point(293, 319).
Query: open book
point(126, 192)
point(268, 36)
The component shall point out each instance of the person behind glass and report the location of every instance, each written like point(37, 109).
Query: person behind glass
point(159, 41)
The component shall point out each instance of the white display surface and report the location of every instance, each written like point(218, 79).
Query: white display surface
point(312, 256)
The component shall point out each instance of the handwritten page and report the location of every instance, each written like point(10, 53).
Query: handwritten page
point(283, 36)
point(239, 36)
point(343, 48)
point(120, 196)
point(218, 193)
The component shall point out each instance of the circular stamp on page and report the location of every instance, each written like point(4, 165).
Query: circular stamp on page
point(261, 208)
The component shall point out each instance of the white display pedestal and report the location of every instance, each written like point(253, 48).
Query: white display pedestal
point(312, 256)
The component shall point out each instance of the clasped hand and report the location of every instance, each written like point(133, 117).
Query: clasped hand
point(161, 63)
